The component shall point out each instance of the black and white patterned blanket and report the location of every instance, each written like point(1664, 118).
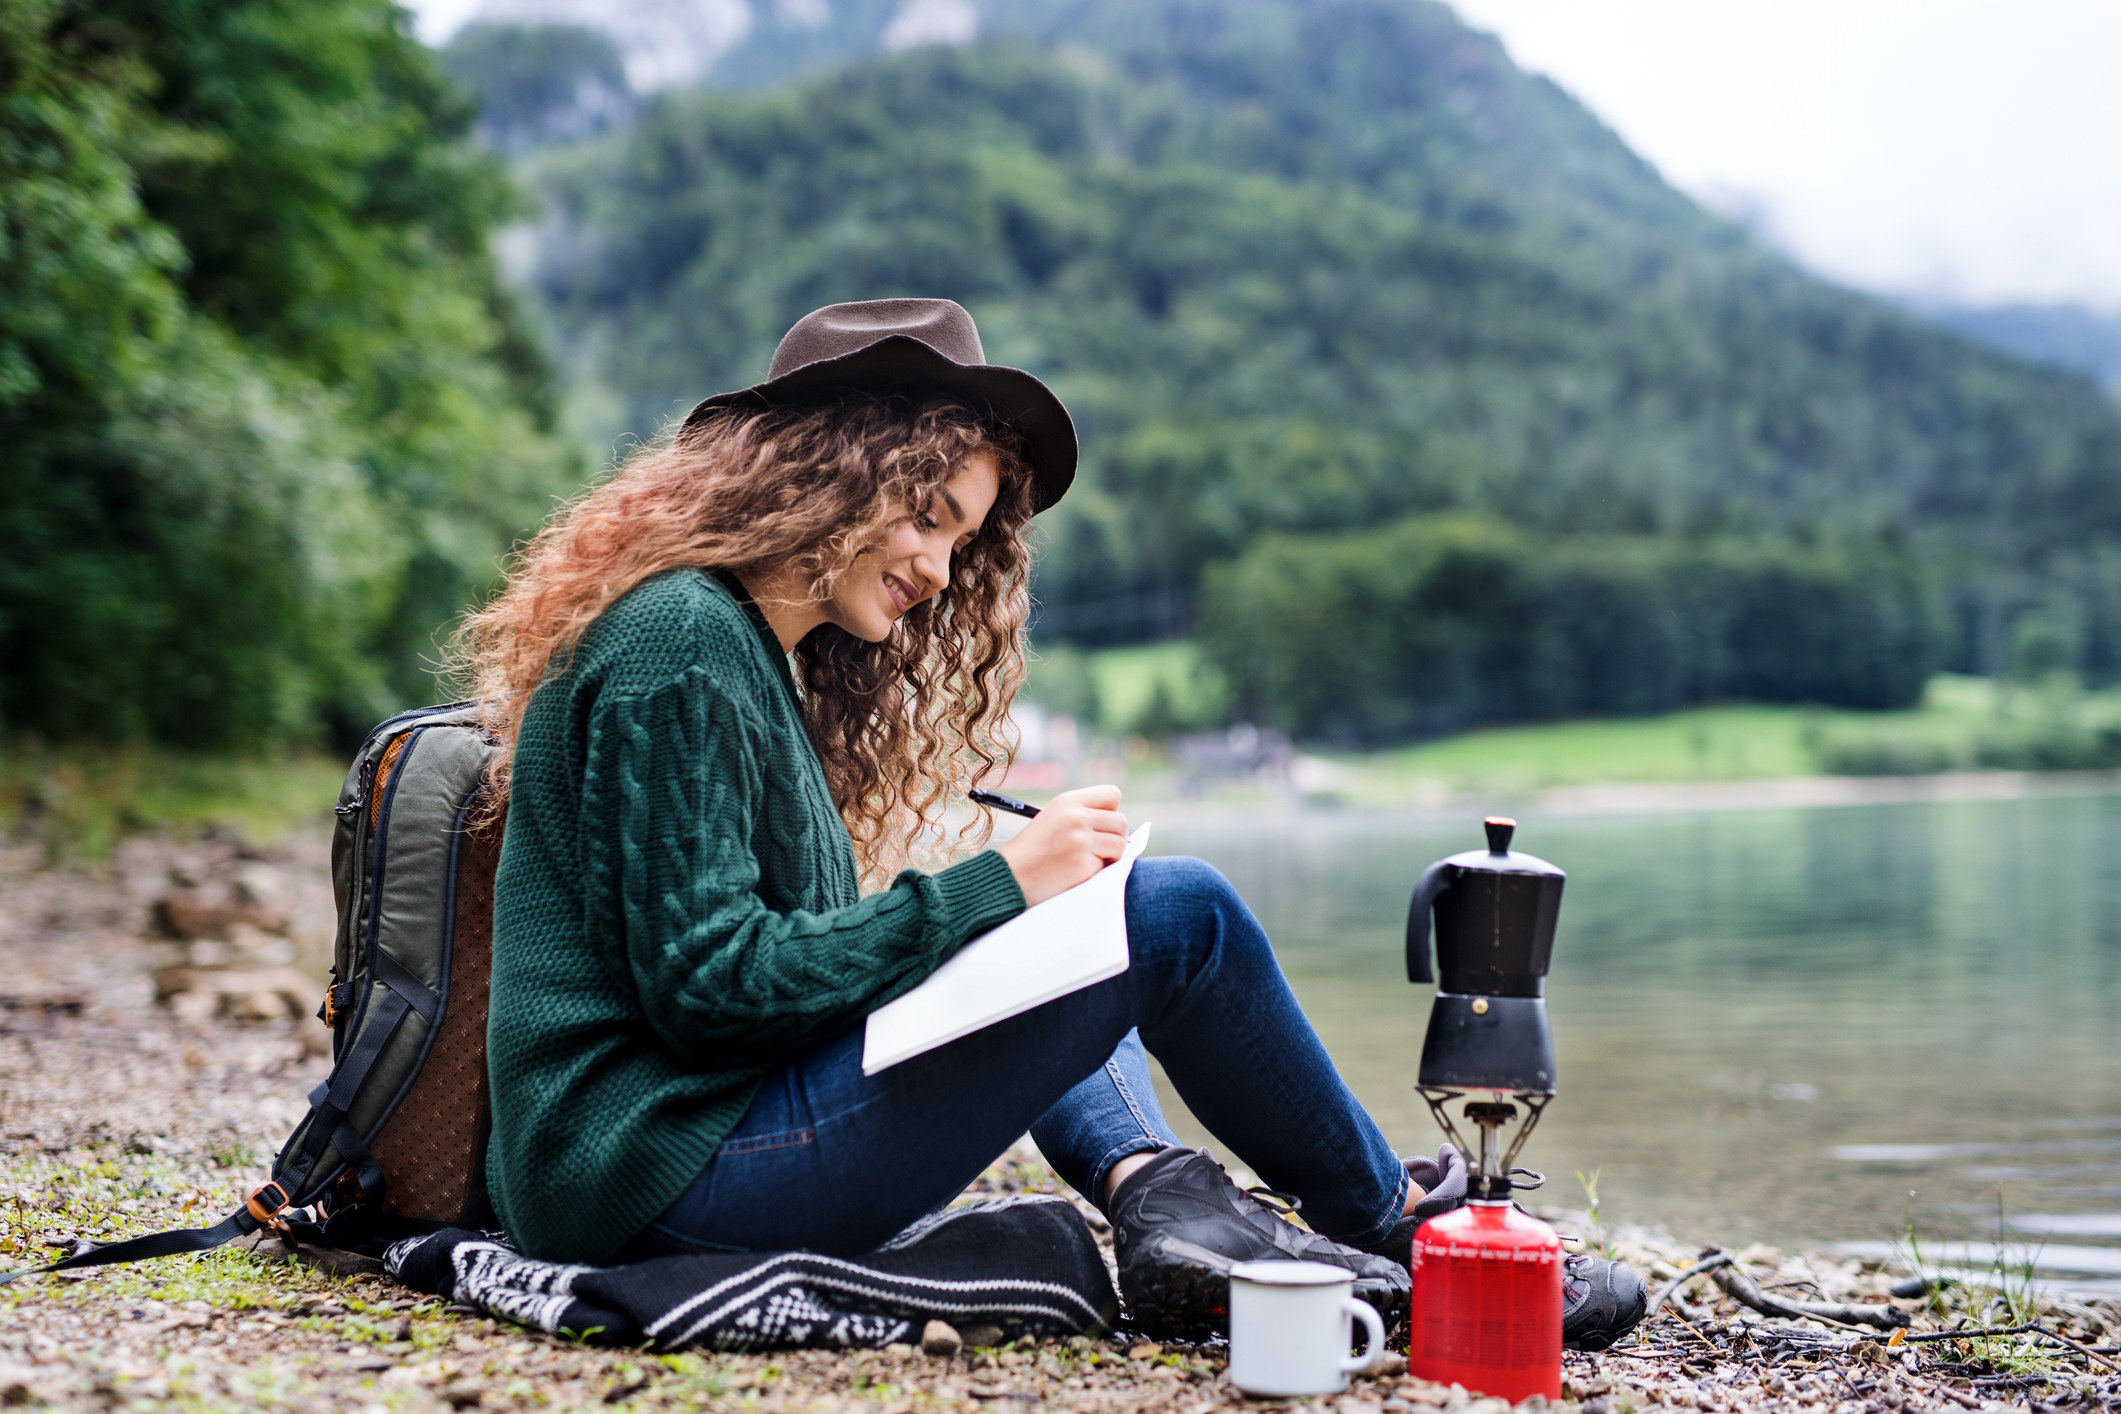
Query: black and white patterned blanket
point(1027, 1265)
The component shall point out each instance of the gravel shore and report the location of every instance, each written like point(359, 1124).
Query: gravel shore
point(120, 1113)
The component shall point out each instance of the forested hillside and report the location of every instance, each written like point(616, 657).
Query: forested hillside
point(1405, 387)
point(268, 418)
point(1311, 268)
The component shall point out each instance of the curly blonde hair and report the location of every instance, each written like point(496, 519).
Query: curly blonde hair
point(899, 725)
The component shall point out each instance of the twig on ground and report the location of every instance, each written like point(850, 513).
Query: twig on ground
point(1690, 1327)
point(2095, 1354)
point(1739, 1287)
point(1671, 1289)
point(2083, 1350)
point(1961, 1333)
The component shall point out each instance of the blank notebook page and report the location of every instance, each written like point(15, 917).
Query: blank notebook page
point(1067, 943)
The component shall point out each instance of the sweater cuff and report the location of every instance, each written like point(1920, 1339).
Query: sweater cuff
point(979, 894)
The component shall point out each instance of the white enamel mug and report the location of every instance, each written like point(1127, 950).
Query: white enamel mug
point(1291, 1324)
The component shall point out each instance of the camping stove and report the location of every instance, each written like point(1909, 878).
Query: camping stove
point(1488, 1276)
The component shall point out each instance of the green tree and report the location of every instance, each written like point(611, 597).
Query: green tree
point(270, 418)
point(1436, 623)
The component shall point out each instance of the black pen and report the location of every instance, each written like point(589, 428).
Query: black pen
point(1004, 802)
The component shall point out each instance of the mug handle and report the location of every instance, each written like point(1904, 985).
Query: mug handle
point(1373, 1329)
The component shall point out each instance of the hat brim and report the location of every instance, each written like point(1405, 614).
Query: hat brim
point(901, 365)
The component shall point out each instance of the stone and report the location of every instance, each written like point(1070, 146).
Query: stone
point(334, 1261)
point(985, 1337)
point(265, 1244)
point(188, 914)
point(281, 991)
point(940, 1339)
point(15, 1385)
point(259, 885)
point(1144, 1350)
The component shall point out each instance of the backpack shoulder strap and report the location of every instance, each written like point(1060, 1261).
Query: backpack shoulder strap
point(262, 1206)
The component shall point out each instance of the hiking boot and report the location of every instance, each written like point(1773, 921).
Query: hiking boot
point(1601, 1301)
point(1179, 1224)
point(1443, 1185)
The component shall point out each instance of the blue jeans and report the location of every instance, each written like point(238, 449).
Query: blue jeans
point(832, 1160)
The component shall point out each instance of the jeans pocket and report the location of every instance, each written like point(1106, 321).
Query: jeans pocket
point(670, 1237)
point(760, 1143)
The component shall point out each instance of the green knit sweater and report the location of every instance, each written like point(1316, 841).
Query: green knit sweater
point(677, 914)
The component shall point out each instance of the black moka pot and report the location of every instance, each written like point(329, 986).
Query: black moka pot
point(1495, 913)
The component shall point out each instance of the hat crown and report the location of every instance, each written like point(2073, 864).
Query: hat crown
point(841, 329)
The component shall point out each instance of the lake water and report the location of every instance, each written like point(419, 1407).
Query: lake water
point(1772, 1025)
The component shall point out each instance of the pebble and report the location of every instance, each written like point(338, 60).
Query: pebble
point(1144, 1350)
point(940, 1339)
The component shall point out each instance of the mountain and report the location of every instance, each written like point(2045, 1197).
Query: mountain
point(663, 43)
point(540, 84)
point(660, 42)
point(2071, 336)
point(1308, 268)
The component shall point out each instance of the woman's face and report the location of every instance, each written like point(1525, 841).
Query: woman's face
point(912, 562)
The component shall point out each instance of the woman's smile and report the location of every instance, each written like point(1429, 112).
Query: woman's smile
point(913, 558)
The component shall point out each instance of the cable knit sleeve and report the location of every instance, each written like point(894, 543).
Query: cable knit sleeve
point(674, 797)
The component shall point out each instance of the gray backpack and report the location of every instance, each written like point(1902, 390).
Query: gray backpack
point(395, 1138)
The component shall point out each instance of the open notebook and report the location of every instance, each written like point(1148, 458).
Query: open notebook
point(1065, 944)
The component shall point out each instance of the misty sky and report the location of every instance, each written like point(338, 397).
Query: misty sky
point(1960, 150)
point(1953, 149)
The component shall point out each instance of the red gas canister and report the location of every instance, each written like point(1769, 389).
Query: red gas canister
point(1487, 1302)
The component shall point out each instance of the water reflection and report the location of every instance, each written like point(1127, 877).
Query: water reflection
point(1771, 1025)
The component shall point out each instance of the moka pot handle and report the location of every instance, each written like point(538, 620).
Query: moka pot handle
point(1434, 880)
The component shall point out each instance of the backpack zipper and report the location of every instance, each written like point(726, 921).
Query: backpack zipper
point(361, 789)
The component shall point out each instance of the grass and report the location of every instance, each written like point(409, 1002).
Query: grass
point(1702, 744)
point(1149, 689)
point(1130, 680)
point(2005, 1295)
point(78, 801)
point(1963, 724)
point(1588, 1182)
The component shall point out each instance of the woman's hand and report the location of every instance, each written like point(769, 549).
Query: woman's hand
point(1077, 834)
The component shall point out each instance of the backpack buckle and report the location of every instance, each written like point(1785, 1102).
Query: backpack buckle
point(266, 1202)
point(336, 998)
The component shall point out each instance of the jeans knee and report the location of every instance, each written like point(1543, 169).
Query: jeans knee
point(1176, 901)
point(1169, 880)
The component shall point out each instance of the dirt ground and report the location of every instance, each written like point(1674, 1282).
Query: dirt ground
point(121, 1114)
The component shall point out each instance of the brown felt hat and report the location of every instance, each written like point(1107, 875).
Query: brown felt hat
point(917, 348)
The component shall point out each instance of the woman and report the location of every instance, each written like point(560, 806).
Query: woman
point(683, 956)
